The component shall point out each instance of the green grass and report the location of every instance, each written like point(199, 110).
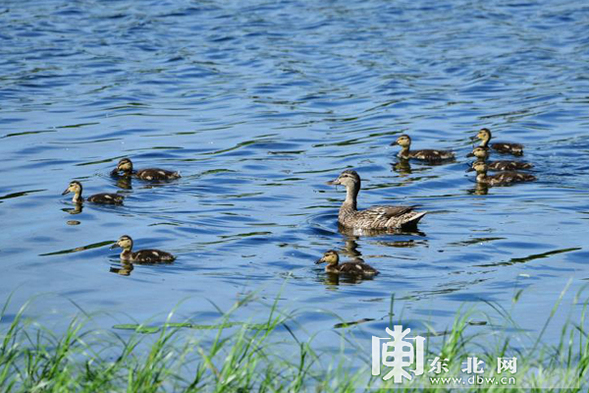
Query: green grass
point(267, 356)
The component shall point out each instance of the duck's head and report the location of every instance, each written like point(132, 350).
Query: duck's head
point(125, 165)
point(479, 152)
point(479, 167)
point(125, 242)
point(403, 141)
point(330, 257)
point(74, 186)
point(484, 134)
point(348, 178)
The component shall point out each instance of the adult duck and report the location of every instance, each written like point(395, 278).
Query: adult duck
point(375, 217)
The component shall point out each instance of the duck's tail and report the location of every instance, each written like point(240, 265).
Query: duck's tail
point(411, 219)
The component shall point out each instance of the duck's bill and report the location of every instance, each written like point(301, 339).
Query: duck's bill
point(116, 245)
point(394, 143)
point(317, 262)
point(470, 155)
point(470, 169)
point(67, 190)
point(335, 182)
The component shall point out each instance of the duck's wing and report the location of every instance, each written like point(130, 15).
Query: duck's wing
point(432, 155)
point(105, 198)
point(505, 165)
point(508, 148)
point(357, 268)
point(389, 217)
point(152, 256)
point(156, 174)
point(389, 211)
point(512, 177)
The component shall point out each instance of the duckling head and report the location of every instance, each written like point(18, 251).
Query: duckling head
point(330, 257)
point(125, 242)
point(125, 165)
point(75, 187)
point(484, 135)
point(479, 152)
point(404, 141)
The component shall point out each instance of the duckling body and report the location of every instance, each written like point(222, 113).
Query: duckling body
point(126, 167)
point(142, 256)
point(106, 199)
point(103, 198)
point(505, 165)
point(355, 268)
point(515, 149)
point(482, 154)
point(424, 155)
point(500, 179)
point(376, 217)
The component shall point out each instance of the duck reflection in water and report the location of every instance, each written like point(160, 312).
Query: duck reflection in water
point(77, 209)
point(355, 233)
point(402, 166)
point(480, 189)
point(124, 183)
point(124, 269)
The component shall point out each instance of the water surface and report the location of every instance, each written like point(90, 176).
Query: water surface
point(258, 104)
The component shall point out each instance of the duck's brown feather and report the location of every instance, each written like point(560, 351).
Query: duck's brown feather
point(357, 268)
point(152, 256)
point(156, 174)
point(508, 148)
point(506, 165)
point(380, 217)
point(106, 199)
point(506, 178)
point(429, 155)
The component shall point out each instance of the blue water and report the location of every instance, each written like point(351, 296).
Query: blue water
point(258, 104)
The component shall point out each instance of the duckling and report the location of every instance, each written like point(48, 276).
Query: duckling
point(142, 256)
point(425, 155)
point(356, 268)
point(376, 217)
point(482, 154)
point(500, 179)
point(126, 166)
point(104, 198)
point(501, 147)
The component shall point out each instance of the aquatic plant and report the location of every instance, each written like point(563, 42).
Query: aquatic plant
point(237, 356)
